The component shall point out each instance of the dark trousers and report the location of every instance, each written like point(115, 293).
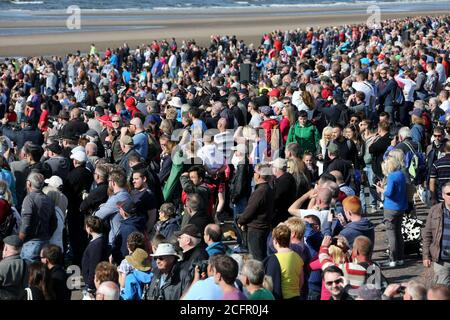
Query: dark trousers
point(404, 113)
point(257, 243)
point(77, 236)
point(393, 222)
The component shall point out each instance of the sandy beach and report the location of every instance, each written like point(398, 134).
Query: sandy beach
point(248, 25)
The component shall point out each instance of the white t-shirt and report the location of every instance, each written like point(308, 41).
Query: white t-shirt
point(366, 88)
point(322, 215)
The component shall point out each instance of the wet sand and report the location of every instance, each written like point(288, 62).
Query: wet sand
point(246, 25)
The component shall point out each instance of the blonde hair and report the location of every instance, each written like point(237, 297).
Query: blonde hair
point(166, 127)
point(338, 253)
point(416, 120)
point(397, 154)
point(326, 130)
point(390, 164)
point(297, 226)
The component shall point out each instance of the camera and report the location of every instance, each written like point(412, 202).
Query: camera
point(334, 241)
point(202, 266)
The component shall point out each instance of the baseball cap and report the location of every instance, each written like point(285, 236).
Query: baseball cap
point(54, 147)
point(416, 112)
point(54, 181)
point(79, 156)
point(13, 240)
point(279, 163)
point(127, 206)
point(274, 93)
point(189, 229)
point(266, 110)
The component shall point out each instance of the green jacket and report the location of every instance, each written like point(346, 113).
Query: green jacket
point(175, 174)
point(307, 137)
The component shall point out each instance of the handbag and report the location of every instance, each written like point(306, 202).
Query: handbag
point(29, 294)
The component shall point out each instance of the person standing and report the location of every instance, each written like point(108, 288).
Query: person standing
point(436, 239)
point(38, 218)
point(13, 270)
point(258, 214)
point(395, 204)
point(78, 183)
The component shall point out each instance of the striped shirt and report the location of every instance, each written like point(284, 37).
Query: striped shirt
point(441, 172)
point(445, 244)
point(353, 272)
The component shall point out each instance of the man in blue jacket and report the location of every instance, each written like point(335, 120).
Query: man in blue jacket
point(358, 226)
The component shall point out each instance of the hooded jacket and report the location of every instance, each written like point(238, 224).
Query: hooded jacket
point(119, 246)
point(134, 284)
point(168, 227)
point(216, 248)
point(355, 229)
point(60, 166)
point(307, 137)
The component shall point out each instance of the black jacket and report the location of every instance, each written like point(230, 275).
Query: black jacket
point(377, 149)
point(78, 180)
point(96, 197)
point(19, 137)
point(193, 256)
point(241, 183)
point(259, 211)
point(343, 166)
point(58, 278)
point(176, 283)
point(97, 251)
point(75, 128)
point(285, 194)
point(200, 219)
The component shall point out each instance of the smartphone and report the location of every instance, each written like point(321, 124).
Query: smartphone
point(333, 213)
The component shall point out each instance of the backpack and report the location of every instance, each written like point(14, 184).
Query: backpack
point(415, 163)
point(7, 226)
point(399, 97)
point(344, 116)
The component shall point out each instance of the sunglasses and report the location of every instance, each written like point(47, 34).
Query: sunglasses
point(161, 258)
point(115, 121)
point(437, 135)
point(329, 283)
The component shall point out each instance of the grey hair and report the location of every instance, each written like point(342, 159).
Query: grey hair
point(404, 132)
point(36, 180)
point(110, 290)
point(416, 290)
point(254, 271)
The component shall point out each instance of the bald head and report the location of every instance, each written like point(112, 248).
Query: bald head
point(333, 187)
point(438, 292)
point(91, 149)
point(213, 233)
point(324, 197)
point(137, 122)
point(108, 290)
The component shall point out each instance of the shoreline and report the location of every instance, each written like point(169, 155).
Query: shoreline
point(246, 25)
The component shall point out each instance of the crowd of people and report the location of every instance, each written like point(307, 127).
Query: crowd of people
point(137, 166)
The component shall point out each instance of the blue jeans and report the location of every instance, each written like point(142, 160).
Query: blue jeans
point(31, 250)
point(362, 195)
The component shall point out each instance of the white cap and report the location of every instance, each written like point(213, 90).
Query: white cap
point(279, 163)
point(77, 149)
point(54, 181)
point(79, 156)
point(175, 102)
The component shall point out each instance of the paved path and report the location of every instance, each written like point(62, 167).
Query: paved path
point(413, 267)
